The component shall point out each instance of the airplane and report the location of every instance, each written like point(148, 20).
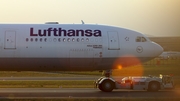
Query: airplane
point(72, 47)
point(170, 55)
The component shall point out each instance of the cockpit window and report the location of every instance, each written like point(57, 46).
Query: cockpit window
point(141, 39)
point(138, 39)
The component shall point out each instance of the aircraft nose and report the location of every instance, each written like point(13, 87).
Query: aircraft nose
point(157, 49)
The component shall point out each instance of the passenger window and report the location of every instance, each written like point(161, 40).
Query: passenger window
point(54, 39)
point(50, 39)
point(77, 39)
point(40, 39)
point(36, 39)
point(82, 39)
point(45, 39)
point(31, 39)
point(27, 39)
point(64, 39)
point(68, 39)
point(73, 39)
point(59, 39)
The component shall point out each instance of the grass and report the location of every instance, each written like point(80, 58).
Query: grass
point(47, 74)
point(46, 84)
point(55, 84)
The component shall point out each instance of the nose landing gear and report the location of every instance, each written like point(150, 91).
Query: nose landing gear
point(107, 73)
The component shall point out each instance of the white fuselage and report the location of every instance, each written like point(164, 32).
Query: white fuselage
point(66, 47)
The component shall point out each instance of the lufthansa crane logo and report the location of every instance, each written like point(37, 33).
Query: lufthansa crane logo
point(139, 49)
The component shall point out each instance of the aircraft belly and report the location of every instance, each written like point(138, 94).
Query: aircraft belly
point(32, 64)
point(63, 64)
point(45, 64)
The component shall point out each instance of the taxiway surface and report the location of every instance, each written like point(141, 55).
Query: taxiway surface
point(58, 78)
point(84, 93)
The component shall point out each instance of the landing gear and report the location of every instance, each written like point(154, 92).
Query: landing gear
point(107, 73)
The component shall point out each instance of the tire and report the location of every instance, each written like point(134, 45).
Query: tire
point(107, 86)
point(100, 88)
point(153, 86)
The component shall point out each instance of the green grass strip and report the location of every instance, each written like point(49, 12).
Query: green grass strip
point(47, 84)
point(56, 84)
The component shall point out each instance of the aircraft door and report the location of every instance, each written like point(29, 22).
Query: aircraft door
point(10, 40)
point(113, 40)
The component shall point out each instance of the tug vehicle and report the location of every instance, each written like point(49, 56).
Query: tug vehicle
point(149, 83)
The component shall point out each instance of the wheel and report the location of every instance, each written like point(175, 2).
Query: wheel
point(107, 86)
point(100, 88)
point(153, 86)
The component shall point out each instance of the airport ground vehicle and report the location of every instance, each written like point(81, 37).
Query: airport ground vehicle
point(149, 83)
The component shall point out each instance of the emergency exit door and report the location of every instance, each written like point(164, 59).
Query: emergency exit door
point(10, 40)
point(113, 41)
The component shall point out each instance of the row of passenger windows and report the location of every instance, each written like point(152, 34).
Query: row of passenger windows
point(60, 39)
point(138, 39)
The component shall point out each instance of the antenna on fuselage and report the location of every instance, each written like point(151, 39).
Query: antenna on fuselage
point(82, 21)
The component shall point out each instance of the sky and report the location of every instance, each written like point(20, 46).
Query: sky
point(150, 17)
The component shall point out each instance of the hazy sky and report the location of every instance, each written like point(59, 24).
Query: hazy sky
point(152, 17)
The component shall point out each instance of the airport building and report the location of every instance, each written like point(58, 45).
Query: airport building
point(168, 43)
